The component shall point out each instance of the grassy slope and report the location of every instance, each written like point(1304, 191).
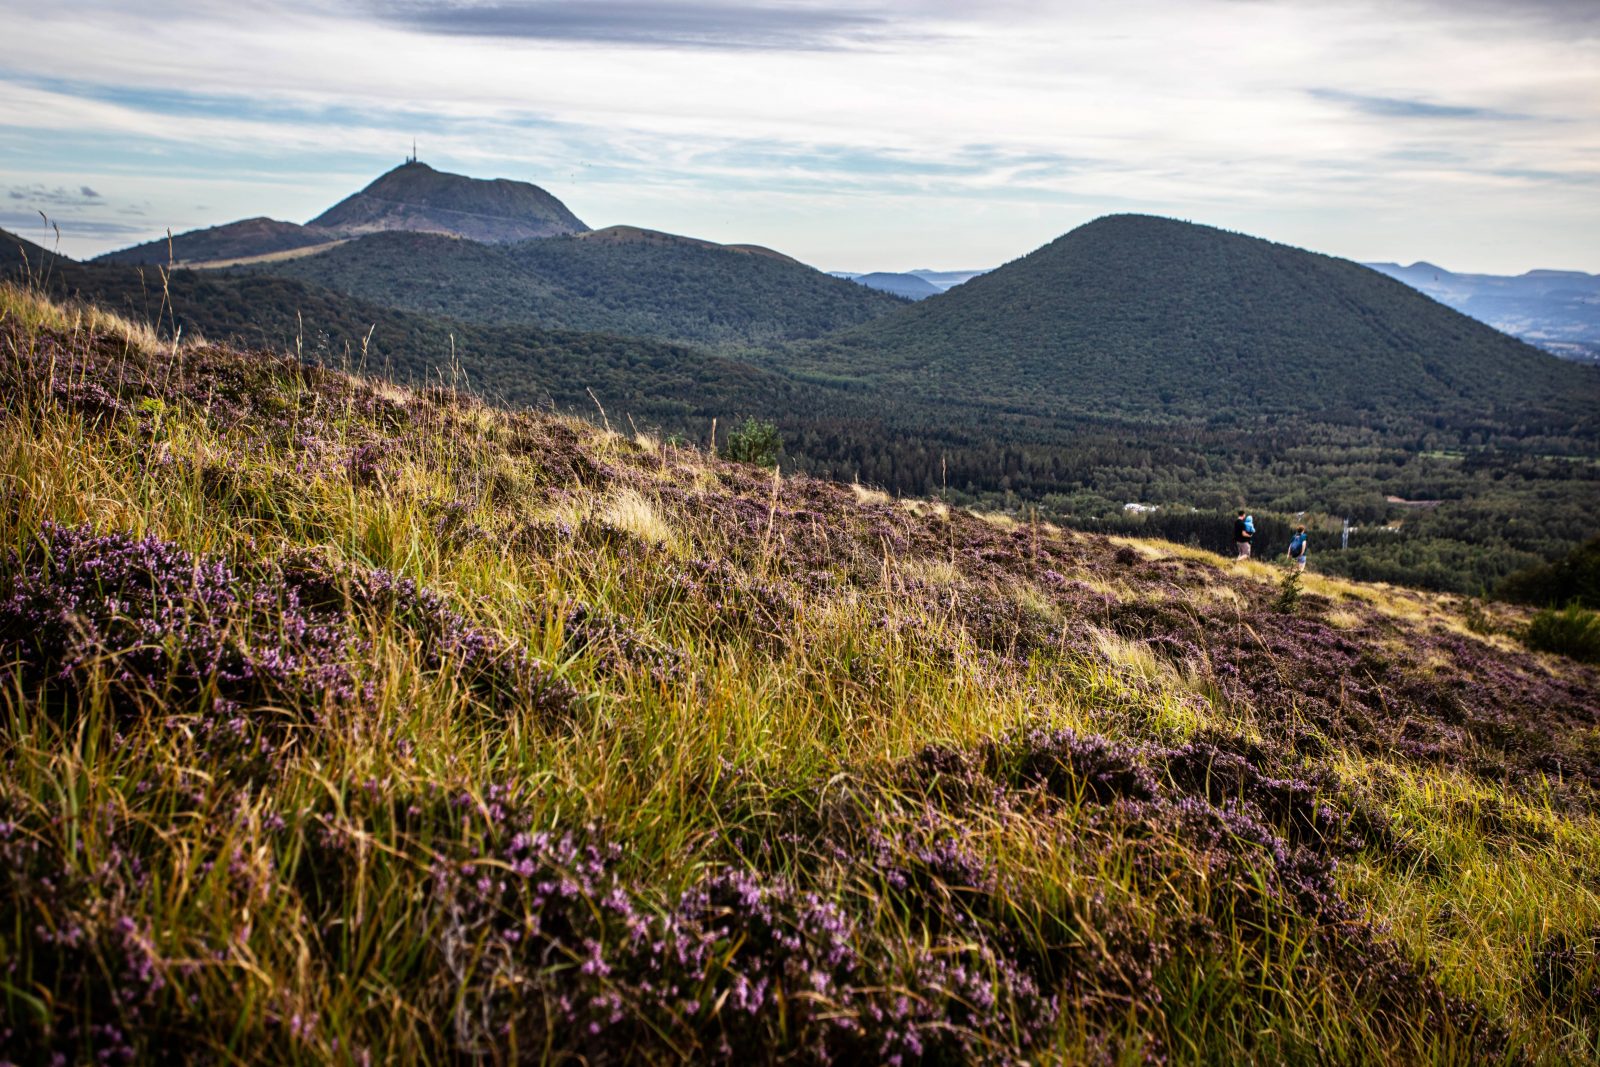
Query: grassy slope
point(661, 758)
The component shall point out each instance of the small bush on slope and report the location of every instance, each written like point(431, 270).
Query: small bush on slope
point(1572, 631)
point(819, 779)
point(754, 442)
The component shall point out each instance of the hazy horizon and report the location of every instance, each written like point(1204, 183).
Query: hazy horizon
point(882, 136)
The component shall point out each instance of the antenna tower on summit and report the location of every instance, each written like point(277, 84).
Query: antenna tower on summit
point(412, 158)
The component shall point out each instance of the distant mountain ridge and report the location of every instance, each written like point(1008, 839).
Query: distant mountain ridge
point(947, 279)
point(906, 285)
point(1557, 310)
point(412, 197)
point(911, 284)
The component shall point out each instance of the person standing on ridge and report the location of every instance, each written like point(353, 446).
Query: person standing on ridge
point(1298, 545)
point(1242, 535)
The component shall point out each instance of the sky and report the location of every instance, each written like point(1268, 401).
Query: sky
point(881, 135)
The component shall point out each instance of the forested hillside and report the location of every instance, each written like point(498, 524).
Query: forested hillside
point(247, 237)
point(682, 290)
point(1173, 321)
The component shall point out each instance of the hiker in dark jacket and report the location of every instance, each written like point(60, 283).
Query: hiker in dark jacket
point(1242, 536)
point(1298, 546)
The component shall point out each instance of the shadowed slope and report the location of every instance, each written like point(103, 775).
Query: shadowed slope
point(619, 280)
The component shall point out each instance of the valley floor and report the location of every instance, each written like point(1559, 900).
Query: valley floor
point(345, 723)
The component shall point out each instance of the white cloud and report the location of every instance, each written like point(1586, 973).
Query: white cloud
point(1464, 133)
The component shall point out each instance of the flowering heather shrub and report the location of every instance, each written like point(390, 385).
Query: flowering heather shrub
point(1497, 713)
point(366, 462)
point(89, 399)
point(171, 635)
point(615, 646)
point(504, 676)
point(452, 526)
point(1067, 766)
point(93, 961)
point(269, 394)
point(1566, 971)
point(159, 615)
point(1270, 845)
point(550, 941)
point(191, 637)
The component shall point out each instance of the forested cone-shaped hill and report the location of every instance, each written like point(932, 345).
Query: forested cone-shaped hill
point(619, 281)
point(340, 721)
point(1168, 320)
point(414, 196)
point(909, 286)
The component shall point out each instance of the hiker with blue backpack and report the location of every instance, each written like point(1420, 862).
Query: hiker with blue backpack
point(1244, 531)
point(1298, 545)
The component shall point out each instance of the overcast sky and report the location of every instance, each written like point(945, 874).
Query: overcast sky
point(884, 135)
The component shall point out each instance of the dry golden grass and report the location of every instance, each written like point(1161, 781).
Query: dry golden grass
point(867, 495)
point(628, 509)
point(35, 311)
point(265, 257)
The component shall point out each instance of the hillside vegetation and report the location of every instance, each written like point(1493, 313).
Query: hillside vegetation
point(247, 237)
point(342, 722)
point(1480, 491)
point(1205, 325)
point(661, 383)
point(681, 290)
